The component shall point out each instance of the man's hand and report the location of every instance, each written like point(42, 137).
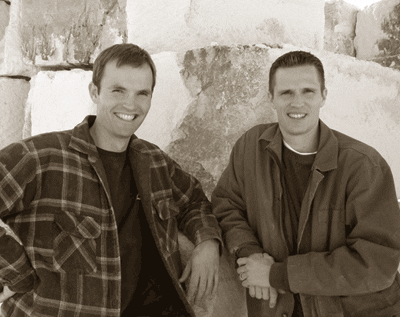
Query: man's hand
point(255, 269)
point(6, 294)
point(260, 292)
point(202, 268)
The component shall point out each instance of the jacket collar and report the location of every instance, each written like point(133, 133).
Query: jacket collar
point(328, 147)
point(83, 142)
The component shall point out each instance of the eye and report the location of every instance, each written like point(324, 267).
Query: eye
point(117, 90)
point(144, 93)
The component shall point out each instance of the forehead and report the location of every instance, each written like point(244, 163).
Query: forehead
point(304, 75)
point(126, 73)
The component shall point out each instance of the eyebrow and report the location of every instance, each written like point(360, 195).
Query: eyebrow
point(117, 87)
point(148, 91)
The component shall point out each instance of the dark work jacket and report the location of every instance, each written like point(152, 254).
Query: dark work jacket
point(349, 226)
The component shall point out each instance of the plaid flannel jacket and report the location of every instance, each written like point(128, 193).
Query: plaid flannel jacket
point(55, 197)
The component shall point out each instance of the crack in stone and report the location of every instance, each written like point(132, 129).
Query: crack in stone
point(16, 77)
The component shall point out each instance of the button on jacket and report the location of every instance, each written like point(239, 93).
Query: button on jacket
point(348, 241)
point(54, 195)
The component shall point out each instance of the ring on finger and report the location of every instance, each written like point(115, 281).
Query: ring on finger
point(241, 277)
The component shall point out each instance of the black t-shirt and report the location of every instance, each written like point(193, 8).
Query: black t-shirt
point(296, 174)
point(123, 196)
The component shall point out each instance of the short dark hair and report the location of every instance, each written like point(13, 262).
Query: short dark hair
point(293, 59)
point(124, 54)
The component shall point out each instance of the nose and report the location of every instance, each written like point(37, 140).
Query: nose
point(130, 101)
point(297, 100)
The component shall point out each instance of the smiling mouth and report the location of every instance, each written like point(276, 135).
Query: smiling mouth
point(126, 117)
point(296, 115)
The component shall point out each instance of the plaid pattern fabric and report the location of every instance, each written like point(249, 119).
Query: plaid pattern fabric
point(54, 196)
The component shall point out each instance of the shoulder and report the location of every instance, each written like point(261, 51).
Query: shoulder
point(41, 142)
point(50, 140)
point(357, 151)
point(261, 131)
point(151, 150)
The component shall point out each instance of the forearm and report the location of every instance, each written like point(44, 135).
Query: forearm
point(16, 271)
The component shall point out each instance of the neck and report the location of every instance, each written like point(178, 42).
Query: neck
point(102, 141)
point(302, 143)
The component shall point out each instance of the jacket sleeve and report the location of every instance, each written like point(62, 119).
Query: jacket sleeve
point(229, 206)
point(17, 169)
point(195, 218)
point(369, 260)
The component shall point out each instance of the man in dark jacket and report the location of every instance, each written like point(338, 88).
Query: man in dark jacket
point(94, 212)
point(310, 213)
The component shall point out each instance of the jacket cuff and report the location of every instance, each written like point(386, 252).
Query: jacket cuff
point(16, 271)
point(247, 250)
point(278, 276)
point(209, 233)
point(24, 283)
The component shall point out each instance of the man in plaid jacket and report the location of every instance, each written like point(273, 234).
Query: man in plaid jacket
point(94, 206)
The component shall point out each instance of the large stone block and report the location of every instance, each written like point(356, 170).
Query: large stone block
point(228, 86)
point(169, 102)
point(12, 62)
point(378, 33)
point(13, 94)
point(4, 20)
point(181, 24)
point(58, 101)
point(340, 25)
point(160, 26)
point(56, 32)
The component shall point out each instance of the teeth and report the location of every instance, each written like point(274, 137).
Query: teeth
point(126, 117)
point(296, 115)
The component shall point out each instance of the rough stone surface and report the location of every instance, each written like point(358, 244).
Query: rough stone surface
point(298, 22)
point(169, 102)
point(340, 25)
point(229, 90)
point(69, 32)
point(57, 101)
point(182, 24)
point(378, 33)
point(12, 62)
point(4, 20)
point(13, 94)
point(160, 26)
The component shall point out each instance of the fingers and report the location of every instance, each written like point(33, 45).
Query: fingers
point(273, 294)
point(193, 286)
point(242, 261)
point(252, 291)
point(265, 293)
point(203, 285)
point(7, 293)
point(259, 294)
point(186, 271)
point(215, 284)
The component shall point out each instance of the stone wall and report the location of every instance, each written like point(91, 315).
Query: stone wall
point(212, 59)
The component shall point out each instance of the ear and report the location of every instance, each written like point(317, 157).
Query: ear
point(324, 94)
point(94, 93)
point(271, 100)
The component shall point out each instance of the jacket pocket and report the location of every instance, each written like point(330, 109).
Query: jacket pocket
point(167, 224)
point(167, 208)
point(74, 244)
